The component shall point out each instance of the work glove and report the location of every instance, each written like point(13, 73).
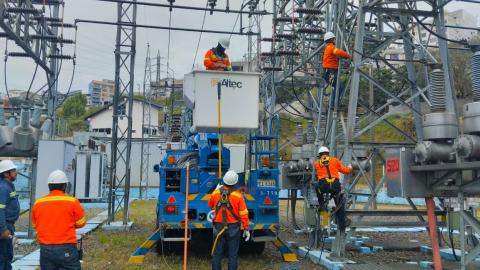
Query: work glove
point(218, 65)
point(225, 67)
point(246, 234)
point(218, 186)
point(350, 166)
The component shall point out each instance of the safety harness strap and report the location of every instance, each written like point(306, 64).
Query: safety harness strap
point(224, 205)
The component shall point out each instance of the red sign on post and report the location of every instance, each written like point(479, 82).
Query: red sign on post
point(393, 165)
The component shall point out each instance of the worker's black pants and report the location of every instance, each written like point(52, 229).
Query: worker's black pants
point(331, 76)
point(334, 189)
point(230, 240)
point(59, 257)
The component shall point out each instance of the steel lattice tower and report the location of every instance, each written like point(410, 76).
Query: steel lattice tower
point(119, 192)
point(146, 125)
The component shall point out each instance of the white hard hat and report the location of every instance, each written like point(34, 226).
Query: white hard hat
point(230, 178)
point(323, 149)
point(329, 35)
point(225, 42)
point(57, 177)
point(6, 166)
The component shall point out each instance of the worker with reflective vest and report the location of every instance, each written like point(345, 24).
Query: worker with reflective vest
point(55, 218)
point(330, 65)
point(230, 213)
point(327, 169)
point(9, 212)
point(216, 58)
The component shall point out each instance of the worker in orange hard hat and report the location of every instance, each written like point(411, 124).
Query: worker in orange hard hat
point(230, 213)
point(330, 65)
point(55, 218)
point(216, 58)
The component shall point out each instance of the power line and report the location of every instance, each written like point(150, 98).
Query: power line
point(199, 38)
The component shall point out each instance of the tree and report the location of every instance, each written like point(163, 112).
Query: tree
point(92, 110)
point(74, 107)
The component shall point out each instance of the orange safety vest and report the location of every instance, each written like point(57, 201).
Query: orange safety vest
point(331, 54)
point(238, 208)
point(334, 167)
point(211, 59)
point(55, 218)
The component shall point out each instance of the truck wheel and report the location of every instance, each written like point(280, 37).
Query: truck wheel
point(258, 247)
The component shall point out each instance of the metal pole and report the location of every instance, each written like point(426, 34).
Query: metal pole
point(372, 136)
point(33, 186)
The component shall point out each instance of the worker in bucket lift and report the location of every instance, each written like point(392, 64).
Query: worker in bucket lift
point(230, 213)
point(327, 169)
point(330, 65)
point(55, 218)
point(9, 212)
point(216, 58)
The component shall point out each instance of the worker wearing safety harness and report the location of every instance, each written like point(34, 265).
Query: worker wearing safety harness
point(9, 212)
point(327, 169)
point(330, 65)
point(230, 213)
point(216, 58)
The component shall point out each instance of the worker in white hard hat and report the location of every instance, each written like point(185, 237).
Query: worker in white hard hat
point(230, 214)
point(9, 212)
point(55, 218)
point(330, 65)
point(328, 169)
point(216, 58)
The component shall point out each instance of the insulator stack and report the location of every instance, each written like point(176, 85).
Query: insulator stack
point(25, 118)
point(67, 41)
point(47, 2)
point(287, 36)
point(288, 53)
point(267, 54)
point(299, 135)
point(23, 10)
point(475, 67)
point(56, 56)
point(272, 69)
point(287, 19)
point(3, 35)
point(437, 91)
point(310, 30)
point(313, 11)
point(37, 112)
point(59, 24)
point(12, 121)
point(268, 39)
point(47, 125)
point(49, 19)
point(18, 54)
point(310, 132)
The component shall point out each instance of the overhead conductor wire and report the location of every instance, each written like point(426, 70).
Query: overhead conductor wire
point(199, 38)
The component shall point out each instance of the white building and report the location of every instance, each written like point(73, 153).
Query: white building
point(101, 121)
point(456, 18)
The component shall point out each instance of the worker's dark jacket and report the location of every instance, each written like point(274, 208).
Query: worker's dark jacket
point(9, 206)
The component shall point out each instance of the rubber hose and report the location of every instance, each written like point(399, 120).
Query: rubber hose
point(432, 223)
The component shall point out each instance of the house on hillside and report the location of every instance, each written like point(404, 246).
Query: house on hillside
point(101, 121)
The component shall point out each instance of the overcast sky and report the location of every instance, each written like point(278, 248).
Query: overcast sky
point(96, 43)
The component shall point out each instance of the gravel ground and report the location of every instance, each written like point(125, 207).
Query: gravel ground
point(100, 248)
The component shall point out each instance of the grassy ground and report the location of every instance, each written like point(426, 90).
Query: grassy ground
point(112, 249)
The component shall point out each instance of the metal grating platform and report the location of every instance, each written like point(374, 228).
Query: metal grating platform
point(382, 266)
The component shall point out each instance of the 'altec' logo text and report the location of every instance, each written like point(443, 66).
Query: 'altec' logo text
point(226, 83)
